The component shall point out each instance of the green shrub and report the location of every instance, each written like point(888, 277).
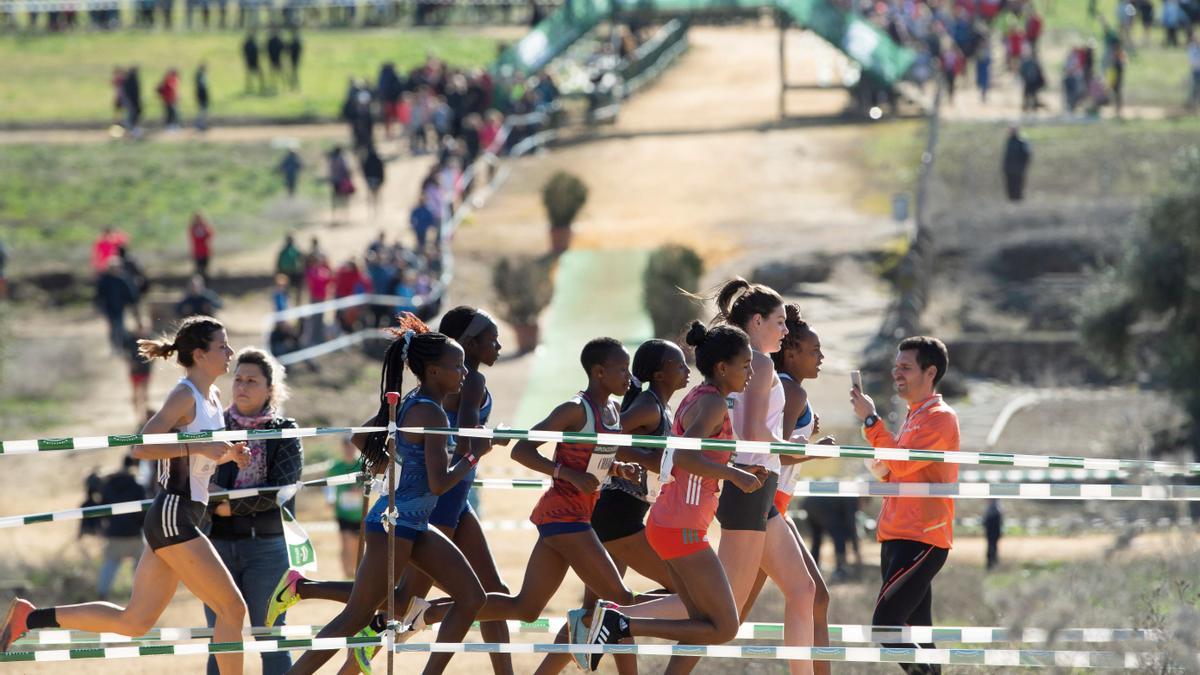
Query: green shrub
point(672, 269)
point(563, 196)
point(523, 288)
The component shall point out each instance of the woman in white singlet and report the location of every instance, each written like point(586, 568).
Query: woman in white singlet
point(178, 551)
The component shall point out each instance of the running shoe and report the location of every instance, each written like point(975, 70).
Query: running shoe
point(577, 635)
point(413, 621)
point(14, 623)
point(363, 655)
point(609, 627)
point(286, 594)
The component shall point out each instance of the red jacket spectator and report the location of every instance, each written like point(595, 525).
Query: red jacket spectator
point(319, 277)
point(168, 89)
point(350, 280)
point(106, 247)
point(1033, 28)
point(201, 234)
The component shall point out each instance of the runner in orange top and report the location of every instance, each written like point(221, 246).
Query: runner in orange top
point(563, 515)
point(678, 523)
point(916, 532)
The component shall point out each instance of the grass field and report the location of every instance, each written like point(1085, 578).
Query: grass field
point(66, 78)
point(55, 199)
point(1154, 76)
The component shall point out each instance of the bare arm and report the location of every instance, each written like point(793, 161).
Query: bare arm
point(794, 404)
point(641, 418)
point(178, 411)
point(568, 416)
point(470, 399)
point(751, 422)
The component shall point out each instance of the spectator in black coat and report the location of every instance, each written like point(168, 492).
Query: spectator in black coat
point(250, 60)
point(114, 295)
point(198, 301)
point(1017, 154)
point(275, 49)
point(123, 533)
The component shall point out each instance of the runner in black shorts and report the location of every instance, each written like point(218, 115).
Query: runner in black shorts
point(659, 370)
point(178, 551)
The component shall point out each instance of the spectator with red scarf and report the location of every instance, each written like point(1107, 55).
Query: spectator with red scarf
point(201, 234)
point(168, 92)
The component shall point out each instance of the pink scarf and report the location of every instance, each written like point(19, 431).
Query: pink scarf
point(255, 474)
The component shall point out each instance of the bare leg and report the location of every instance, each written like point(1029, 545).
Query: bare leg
point(543, 575)
point(784, 563)
point(349, 551)
point(470, 540)
point(741, 553)
point(820, 602)
point(438, 558)
point(712, 613)
point(370, 588)
point(157, 575)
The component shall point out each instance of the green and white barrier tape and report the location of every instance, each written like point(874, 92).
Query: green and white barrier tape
point(1036, 475)
point(826, 451)
point(976, 657)
point(1088, 491)
point(747, 631)
point(125, 440)
point(281, 492)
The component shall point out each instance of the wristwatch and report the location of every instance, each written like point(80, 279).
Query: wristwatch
point(870, 420)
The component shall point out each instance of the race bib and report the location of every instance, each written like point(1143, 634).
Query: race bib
point(601, 461)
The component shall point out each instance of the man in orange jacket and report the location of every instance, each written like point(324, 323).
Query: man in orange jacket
point(916, 533)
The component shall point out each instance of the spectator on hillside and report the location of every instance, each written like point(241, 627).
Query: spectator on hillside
point(200, 233)
point(357, 112)
point(279, 293)
point(1033, 80)
point(168, 93)
point(275, 49)
point(373, 174)
point(1116, 77)
point(349, 280)
point(139, 372)
point(1033, 26)
point(319, 277)
point(131, 101)
point(290, 263)
point(422, 220)
point(202, 97)
point(134, 272)
point(290, 167)
point(983, 67)
point(106, 246)
point(1193, 54)
point(389, 88)
point(1174, 19)
point(250, 61)
point(1017, 154)
point(341, 184)
point(295, 47)
point(952, 66)
point(198, 300)
point(993, 528)
point(382, 271)
point(115, 295)
point(122, 533)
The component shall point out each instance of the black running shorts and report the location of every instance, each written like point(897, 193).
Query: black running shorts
point(618, 514)
point(172, 519)
point(739, 510)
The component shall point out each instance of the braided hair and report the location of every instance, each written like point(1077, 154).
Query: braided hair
point(798, 330)
point(412, 343)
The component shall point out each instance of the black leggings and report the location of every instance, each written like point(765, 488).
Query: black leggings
point(906, 597)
